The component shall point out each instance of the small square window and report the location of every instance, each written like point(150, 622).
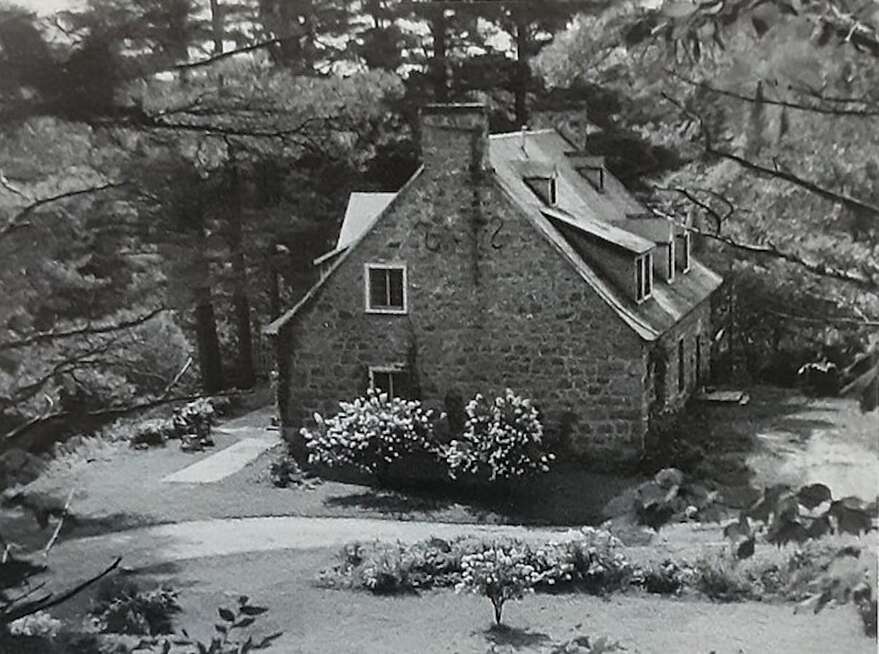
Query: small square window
point(385, 288)
point(393, 380)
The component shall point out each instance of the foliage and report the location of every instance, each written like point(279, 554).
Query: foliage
point(285, 472)
point(371, 433)
point(666, 578)
point(500, 572)
point(787, 515)
point(121, 607)
point(591, 563)
point(230, 638)
point(502, 439)
point(669, 497)
point(40, 624)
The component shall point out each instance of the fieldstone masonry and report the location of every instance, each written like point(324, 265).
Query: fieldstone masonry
point(491, 304)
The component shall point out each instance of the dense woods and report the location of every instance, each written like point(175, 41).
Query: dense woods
point(170, 168)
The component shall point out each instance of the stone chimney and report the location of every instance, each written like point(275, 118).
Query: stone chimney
point(454, 138)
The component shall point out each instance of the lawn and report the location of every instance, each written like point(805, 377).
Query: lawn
point(316, 620)
point(780, 436)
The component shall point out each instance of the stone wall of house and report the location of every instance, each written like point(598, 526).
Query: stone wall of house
point(696, 326)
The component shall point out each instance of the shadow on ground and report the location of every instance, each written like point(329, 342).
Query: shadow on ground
point(516, 638)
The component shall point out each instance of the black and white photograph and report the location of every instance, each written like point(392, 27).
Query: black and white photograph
point(439, 326)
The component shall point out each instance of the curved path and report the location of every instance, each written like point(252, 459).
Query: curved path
point(206, 538)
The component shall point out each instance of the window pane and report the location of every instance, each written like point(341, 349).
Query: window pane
point(395, 288)
point(671, 261)
point(377, 287)
point(681, 371)
point(639, 279)
point(402, 385)
point(381, 381)
point(648, 280)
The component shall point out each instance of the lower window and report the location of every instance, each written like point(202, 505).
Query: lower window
point(393, 380)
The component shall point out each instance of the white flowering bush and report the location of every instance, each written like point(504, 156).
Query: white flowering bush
point(500, 572)
point(371, 433)
point(502, 439)
point(40, 624)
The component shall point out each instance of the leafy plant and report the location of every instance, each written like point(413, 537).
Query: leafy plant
point(501, 572)
point(230, 638)
point(371, 433)
point(121, 607)
point(502, 439)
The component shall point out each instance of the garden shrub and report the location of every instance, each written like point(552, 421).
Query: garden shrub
point(500, 572)
point(501, 440)
point(591, 563)
point(370, 434)
point(121, 607)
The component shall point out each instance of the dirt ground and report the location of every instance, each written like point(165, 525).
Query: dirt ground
point(316, 620)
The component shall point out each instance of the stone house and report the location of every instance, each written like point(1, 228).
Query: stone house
point(506, 261)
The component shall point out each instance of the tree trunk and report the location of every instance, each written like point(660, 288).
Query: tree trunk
point(523, 72)
point(217, 26)
point(210, 362)
point(245, 374)
point(438, 30)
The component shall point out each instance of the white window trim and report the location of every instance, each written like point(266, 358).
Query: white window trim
point(688, 255)
point(646, 261)
point(367, 267)
point(388, 369)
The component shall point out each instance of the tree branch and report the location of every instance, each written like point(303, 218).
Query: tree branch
point(41, 337)
point(13, 222)
point(833, 111)
point(49, 601)
point(777, 173)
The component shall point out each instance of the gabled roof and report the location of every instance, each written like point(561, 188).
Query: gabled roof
point(611, 214)
point(361, 211)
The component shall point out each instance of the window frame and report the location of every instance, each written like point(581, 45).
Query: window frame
point(552, 189)
point(390, 370)
point(671, 264)
point(386, 310)
point(686, 257)
point(682, 365)
point(643, 277)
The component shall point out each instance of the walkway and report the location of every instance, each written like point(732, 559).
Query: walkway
point(204, 538)
point(230, 460)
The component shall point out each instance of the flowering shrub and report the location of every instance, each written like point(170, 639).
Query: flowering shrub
point(40, 624)
point(592, 563)
point(500, 572)
point(501, 440)
point(371, 433)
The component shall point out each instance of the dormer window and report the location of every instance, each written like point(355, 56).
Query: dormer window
point(643, 277)
point(594, 174)
point(546, 188)
point(385, 288)
point(670, 261)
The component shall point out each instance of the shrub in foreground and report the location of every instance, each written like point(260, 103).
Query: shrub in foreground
point(501, 572)
point(591, 563)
